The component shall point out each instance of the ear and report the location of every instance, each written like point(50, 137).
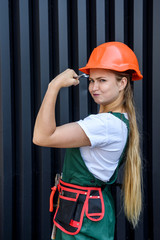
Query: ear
point(122, 83)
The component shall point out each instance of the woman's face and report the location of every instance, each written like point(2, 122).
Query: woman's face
point(103, 86)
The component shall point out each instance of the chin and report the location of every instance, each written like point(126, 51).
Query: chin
point(98, 102)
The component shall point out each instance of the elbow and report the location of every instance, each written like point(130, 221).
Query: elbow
point(37, 140)
point(40, 141)
point(34, 141)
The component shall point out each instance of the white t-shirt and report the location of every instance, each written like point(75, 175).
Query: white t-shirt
point(108, 136)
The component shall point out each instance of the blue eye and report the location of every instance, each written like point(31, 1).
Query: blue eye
point(102, 80)
point(91, 80)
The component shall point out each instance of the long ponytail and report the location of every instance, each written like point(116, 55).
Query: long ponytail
point(132, 180)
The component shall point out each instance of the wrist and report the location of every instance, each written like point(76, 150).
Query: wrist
point(54, 85)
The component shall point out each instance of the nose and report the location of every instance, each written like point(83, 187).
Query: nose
point(95, 86)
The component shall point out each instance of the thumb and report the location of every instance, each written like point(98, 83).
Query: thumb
point(75, 76)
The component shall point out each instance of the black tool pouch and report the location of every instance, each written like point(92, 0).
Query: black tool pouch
point(74, 200)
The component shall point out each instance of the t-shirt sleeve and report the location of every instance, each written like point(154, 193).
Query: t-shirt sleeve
point(95, 127)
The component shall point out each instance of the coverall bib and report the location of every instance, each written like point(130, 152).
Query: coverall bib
point(76, 172)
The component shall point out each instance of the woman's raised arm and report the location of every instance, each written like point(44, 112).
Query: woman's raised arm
point(46, 133)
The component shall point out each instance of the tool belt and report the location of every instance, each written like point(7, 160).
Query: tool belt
point(74, 201)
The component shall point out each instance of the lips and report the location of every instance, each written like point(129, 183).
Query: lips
point(95, 95)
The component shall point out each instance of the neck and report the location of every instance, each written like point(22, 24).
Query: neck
point(116, 106)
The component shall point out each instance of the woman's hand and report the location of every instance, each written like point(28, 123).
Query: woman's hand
point(65, 79)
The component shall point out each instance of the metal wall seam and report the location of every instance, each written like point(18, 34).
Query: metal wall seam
point(128, 22)
point(16, 118)
point(73, 57)
point(147, 117)
point(6, 186)
point(110, 20)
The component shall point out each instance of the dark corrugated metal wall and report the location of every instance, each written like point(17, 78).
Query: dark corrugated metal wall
point(39, 39)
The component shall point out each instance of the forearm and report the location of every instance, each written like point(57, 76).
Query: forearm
point(45, 124)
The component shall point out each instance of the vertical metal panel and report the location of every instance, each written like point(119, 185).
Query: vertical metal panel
point(82, 55)
point(46, 160)
point(100, 21)
point(91, 42)
point(63, 57)
point(156, 120)
point(100, 24)
point(138, 87)
point(119, 20)
point(54, 70)
point(138, 47)
point(26, 122)
point(63, 64)
point(119, 36)
point(6, 186)
point(82, 32)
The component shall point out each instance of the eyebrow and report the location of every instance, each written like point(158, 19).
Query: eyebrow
point(97, 78)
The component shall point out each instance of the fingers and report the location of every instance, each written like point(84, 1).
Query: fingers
point(76, 82)
point(67, 78)
point(72, 73)
point(70, 77)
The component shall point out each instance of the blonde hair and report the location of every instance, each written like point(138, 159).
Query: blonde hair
point(132, 180)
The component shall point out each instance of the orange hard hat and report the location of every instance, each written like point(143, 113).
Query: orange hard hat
point(115, 56)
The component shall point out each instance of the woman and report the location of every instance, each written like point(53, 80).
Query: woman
point(96, 146)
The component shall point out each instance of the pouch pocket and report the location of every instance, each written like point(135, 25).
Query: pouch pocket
point(95, 209)
point(67, 206)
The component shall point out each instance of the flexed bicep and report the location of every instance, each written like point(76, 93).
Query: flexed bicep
point(66, 136)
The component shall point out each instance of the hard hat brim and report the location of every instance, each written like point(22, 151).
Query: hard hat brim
point(136, 75)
